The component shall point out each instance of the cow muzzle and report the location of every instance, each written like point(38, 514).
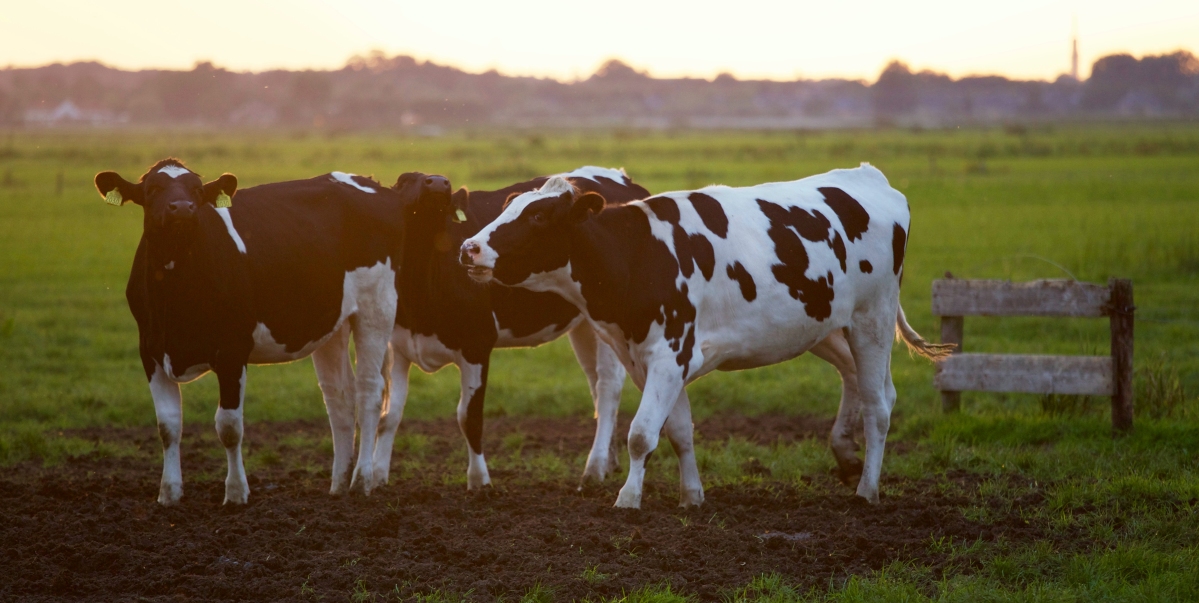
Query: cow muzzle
point(471, 256)
point(180, 211)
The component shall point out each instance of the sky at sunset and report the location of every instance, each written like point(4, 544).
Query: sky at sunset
point(1023, 39)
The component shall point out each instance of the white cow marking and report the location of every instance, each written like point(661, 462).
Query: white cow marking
point(345, 178)
point(592, 172)
point(190, 374)
point(174, 171)
point(377, 280)
point(223, 212)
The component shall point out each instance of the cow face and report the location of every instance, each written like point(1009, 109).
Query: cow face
point(171, 197)
point(433, 196)
point(531, 236)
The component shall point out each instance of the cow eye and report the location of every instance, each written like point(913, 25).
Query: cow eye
point(154, 190)
point(538, 218)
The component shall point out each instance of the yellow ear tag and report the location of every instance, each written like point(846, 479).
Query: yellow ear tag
point(223, 200)
point(114, 197)
point(459, 216)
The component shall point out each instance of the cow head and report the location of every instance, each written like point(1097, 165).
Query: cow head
point(171, 196)
point(531, 236)
point(433, 198)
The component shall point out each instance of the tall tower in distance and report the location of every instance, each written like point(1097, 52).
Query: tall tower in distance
point(1074, 54)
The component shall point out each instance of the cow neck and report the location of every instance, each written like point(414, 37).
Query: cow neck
point(600, 251)
point(429, 249)
point(192, 284)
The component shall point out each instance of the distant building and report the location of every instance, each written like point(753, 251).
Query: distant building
point(67, 113)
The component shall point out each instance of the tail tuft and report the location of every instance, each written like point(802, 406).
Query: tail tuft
point(917, 344)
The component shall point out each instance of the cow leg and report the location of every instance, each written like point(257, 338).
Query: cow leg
point(605, 375)
point(336, 378)
point(229, 429)
point(393, 413)
point(663, 385)
point(681, 432)
point(168, 408)
point(834, 349)
point(372, 331)
point(870, 342)
point(470, 421)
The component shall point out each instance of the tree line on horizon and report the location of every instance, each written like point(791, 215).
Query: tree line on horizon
point(375, 92)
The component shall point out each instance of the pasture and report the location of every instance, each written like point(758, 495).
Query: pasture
point(1019, 497)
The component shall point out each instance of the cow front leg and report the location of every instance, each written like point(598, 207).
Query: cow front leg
point(834, 349)
point(336, 378)
point(168, 408)
point(681, 433)
point(393, 413)
point(372, 328)
point(470, 421)
point(605, 375)
point(229, 429)
point(663, 385)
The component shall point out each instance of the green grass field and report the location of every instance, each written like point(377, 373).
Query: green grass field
point(1092, 203)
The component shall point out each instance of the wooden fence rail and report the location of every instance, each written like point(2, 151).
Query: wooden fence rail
point(954, 299)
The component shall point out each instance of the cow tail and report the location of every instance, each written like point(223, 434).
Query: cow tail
point(388, 360)
point(917, 344)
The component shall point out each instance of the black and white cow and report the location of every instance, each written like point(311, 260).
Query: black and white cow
point(289, 270)
point(721, 278)
point(444, 317)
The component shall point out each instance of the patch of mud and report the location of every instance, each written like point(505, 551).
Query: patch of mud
point(90, 529)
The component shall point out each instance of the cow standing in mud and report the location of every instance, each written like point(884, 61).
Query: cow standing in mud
point(288, 270)
point(444, 317)
point(722, 278)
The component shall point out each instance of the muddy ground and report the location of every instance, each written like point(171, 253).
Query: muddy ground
point(89, 528)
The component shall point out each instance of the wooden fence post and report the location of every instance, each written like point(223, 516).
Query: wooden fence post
point(952, 331)
point(1121, 311)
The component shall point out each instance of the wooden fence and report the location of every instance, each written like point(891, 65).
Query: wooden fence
point(954, 299)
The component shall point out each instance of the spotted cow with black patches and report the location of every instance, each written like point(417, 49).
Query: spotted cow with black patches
point(722, 278)
point(446, 318)
point(288, 270)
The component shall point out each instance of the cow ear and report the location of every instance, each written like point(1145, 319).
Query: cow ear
point(460, 200)
point(219, 192)
point(584, 206)
point(404, 179)
point(116, 190)
point(511, 197)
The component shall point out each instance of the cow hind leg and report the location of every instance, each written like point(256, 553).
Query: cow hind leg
point(470, 421)
point(230, 429)
point(168, 408)
point(393, 413)
point(336, 378)
point(681, 433)
point(605, 375)
point(372, 331)
point(870, 341)
point(834, 349)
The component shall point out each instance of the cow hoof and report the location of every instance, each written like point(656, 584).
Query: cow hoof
point(382, 477)
point(592, 474)
point(477, 479)
point(237, 494)
point(870, 497)
point(170, 494)
point(849, 472)
point(359, 486)
point(628, 500)
point(691, 498)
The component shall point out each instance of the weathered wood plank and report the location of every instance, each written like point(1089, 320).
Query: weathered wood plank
point(1053, 297)
point(1083, 375)
point(952, 331)
point(1122, 323)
